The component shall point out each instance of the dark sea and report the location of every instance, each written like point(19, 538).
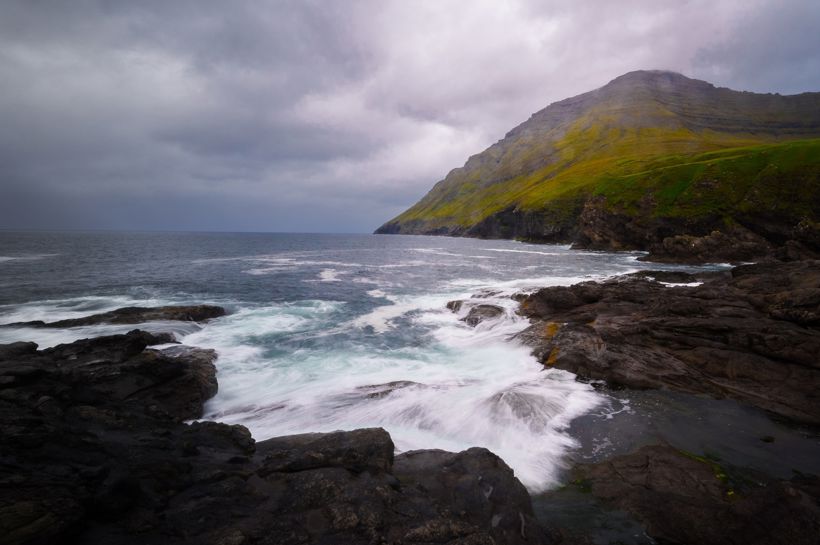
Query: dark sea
point(330, 332)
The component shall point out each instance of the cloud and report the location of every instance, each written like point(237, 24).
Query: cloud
point(324, 116)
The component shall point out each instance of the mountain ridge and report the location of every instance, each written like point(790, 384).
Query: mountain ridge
point(538, 181)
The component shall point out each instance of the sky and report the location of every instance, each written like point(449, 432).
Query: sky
point(331, 116)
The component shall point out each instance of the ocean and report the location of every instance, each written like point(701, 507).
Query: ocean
point(329, 332)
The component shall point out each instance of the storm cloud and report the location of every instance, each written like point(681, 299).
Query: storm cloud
point(324, 116)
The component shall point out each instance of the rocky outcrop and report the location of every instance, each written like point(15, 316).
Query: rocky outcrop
point(480, 313)
point(136, 315)
point(95, 450)
point(752, 334)
point(672, 239)
point(687, 499)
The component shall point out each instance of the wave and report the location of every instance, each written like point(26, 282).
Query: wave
point(29, 257)
point(449, 386)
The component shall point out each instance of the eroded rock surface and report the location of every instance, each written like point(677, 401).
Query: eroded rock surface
point(687, 499)
point(752, 334)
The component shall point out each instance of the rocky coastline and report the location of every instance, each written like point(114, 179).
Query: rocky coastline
point(96, 449)
point(98, 444)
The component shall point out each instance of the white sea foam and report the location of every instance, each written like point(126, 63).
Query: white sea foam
point(364, 280)
point(329, 275)
point(379, 294)
point(435, 251)
point(471, 387)
point(29, 257)
point(506, 250)
point(466, 387)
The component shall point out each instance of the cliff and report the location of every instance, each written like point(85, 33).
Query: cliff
point(649, 156)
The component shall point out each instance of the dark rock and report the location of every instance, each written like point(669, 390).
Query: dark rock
point(485, 294)
point(94, 450)
point(358, 450)
point(454, 306)
point(684, 498)
point(735, 245)
point(16, 349)
point(136, 315)
point(752, 335)
point(475, 482)
point(378, 391)
point(479, 313)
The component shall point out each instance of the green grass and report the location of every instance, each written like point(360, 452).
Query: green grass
point(669, 172)
point(781, 178)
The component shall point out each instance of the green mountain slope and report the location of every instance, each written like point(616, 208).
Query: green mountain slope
point(676, 155)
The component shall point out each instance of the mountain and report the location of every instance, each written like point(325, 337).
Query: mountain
point(649, 158)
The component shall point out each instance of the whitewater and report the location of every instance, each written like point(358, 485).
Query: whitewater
point(336, 332)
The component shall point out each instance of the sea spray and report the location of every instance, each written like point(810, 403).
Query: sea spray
point(330, 332)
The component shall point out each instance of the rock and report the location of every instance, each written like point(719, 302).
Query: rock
point(734, 245)
point(475, 482)
point(136, 315)
point(454, 306)
point(684, 498)
point(358, 450)
point(95, 450)
point(16, 349)
point(480, 313)
point(752, 335)
point(378, 391)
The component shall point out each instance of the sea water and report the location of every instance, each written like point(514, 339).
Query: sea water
point(335, 332)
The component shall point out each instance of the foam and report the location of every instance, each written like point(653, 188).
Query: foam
point(465, 387)
point(378, 294)
point(30, 257)
point(482, 391)
point(52, 310)
point(329, 275)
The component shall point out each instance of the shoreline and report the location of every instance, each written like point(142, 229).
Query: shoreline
point(592, 488)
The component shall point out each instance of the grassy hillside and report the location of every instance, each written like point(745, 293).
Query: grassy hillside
point(652, 142)
point(781, 177)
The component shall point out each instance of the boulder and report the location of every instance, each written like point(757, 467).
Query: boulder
point(480, 313)
point(684, 498)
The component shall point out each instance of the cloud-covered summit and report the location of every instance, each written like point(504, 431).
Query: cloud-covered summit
point(324, 116)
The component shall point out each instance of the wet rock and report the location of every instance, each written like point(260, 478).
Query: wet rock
point(378, 391)
point(733, 245)
point(684, 498)
point(95, 450)
point(454, 306)
point(136, 315)
point(751, 335)
point(480, 313)
point(477, 483)
point(358, 450)
point(16, 349)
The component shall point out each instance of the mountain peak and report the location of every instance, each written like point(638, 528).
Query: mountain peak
point(657, 78)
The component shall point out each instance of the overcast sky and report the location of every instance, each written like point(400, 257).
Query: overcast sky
point(326, 116)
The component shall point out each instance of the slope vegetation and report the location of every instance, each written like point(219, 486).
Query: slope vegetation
point(663, 153)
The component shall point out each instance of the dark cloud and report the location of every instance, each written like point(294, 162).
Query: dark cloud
point(775, 48)
point(324, 116)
